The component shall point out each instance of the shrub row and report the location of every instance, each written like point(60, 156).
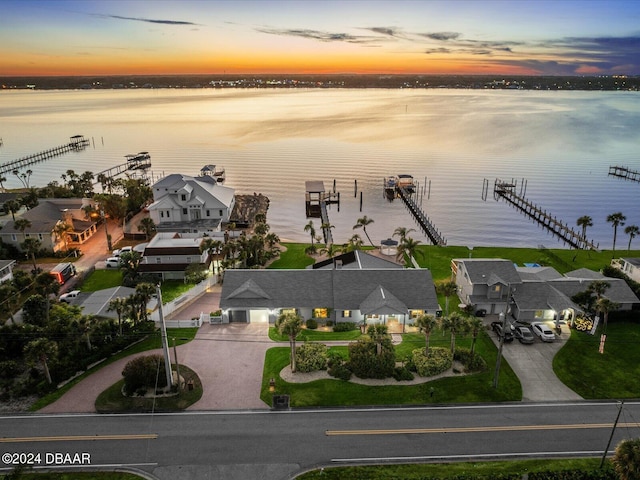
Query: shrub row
point(311, 357)
point(344, 327)
point(437, 361)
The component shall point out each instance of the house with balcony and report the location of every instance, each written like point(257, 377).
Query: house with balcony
point(168, 254)
point(629, 266)
point(190, 204)
point(44, 219)
point(6, 270)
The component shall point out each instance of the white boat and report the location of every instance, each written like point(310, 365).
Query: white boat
point(214, 172)
point(405, 181)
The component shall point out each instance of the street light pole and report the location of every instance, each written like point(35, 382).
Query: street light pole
point(165, 343)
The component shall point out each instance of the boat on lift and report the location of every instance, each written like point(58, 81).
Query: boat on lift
point(213, 171)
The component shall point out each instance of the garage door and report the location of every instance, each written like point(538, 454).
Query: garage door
point(238, 316)
point(259, 316)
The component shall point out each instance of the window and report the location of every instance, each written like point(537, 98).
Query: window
point(13, 237)
point(415, 313)
point(168, 213)
point(320, 313)
point(183, 197)
point(161, 214)
point(208, 213)
point(346, 313)
point(40, 237)
point(158, 259)
point(184, 211)
point(288, 310)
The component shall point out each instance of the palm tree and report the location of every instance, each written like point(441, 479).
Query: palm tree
point(2, 180)
point(447, 289)
point(402, 232)
point(62, 231)
point(331, 250)
point(626, 459)
point(48, 285)
point(632, 231)
point(309, 227)
point(41, 350)
point(598, 287)
point(22, 224)
point(408, 249)
point(584, 222)
point(147, 226)
point(475, 327)
point(290, 324)
point(144, 292)
point(118, 305)
point(616, 219)
point(456, 324)
point(362, 223)
point(13, 206)
point(11, 301)
point(31, 246)
point(604, 306)
point(426, 324)
point(354, 243)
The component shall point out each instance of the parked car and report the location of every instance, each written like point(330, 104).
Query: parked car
point(506, 333)
point(120, 251)
point(112, 262)
point(67, 297)
point(543, 332)
point(524, 335)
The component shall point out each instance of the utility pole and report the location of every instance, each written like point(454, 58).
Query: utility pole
point(503, 319)
point(165, 343)
point(615, 424)
point(175, 355)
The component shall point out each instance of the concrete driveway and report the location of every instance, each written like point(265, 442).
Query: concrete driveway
point(533, 366)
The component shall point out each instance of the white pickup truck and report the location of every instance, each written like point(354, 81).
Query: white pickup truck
point(67, 297)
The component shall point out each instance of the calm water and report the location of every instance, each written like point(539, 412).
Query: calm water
point(270, 142)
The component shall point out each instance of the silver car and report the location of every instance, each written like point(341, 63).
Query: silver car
point(543, 332)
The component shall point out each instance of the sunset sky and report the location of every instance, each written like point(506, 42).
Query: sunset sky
point(104, 37)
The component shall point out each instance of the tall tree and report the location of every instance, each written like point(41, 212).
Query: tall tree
point(41, 350)
point(604, 306)
point(408, 249)
point(144, 292)
point(22, 224)
point(47, 285)
point(363, 222)
point(447, 289)
point(584, 222)
point(426, 324)
point(13, 206)
point(402, 232)
point(616, 219)
point(118, 305)
point(309, 227)
point(457, 324)
point(9, 300)
point(147, 226)
point(62, 231)
point(475, 327)
point(632, 231)
point(31, 246)
point(290, 324)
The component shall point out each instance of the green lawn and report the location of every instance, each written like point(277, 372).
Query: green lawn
point(443, 471)
point(293, 257)
point(101, 279)
point(613, 374)
point(458, 389)
point(172, 289)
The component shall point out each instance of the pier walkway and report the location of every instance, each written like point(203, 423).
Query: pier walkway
point(76, 143)
point(421, 217)
point(506, 191)
point(625, 173)
point(316, 200)
point(140, 161)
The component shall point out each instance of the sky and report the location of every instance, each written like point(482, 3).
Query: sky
point(149, 37)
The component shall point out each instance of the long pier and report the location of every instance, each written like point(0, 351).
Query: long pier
point(506, 190)
point(625, 173)
point(421, 217)
point(76, 143)
point(316, 201)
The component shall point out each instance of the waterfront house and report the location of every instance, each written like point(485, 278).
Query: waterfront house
point(168, 254)
point(190, 204)
point(45, 217)
point(629, 266)
point(391, 296)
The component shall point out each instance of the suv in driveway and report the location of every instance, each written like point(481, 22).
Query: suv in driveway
point(543, 331)
point(500, 332)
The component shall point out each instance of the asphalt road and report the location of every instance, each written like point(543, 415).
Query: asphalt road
point(278, 445)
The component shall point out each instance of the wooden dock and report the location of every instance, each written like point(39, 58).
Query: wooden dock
point(506, 191)
point(421, 217)
point(135, 163)
point(76, 143)
point(625, 173)
point(316, 201)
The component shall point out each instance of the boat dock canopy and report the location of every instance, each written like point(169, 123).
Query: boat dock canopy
point(314, 186)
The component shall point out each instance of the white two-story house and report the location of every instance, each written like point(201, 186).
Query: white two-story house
point(190, 204)
point(170, 253)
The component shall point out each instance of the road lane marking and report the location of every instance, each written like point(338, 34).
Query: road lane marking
point(79, 438)
point(502, 428)
point(469, 457)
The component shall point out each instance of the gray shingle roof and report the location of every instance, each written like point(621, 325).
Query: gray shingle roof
point(489, 271)
point(340, 289)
